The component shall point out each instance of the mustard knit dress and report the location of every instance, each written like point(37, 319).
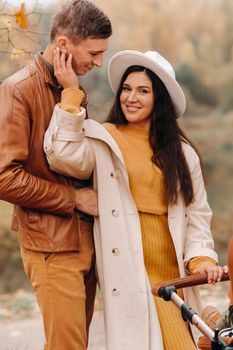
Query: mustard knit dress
point(147, 188)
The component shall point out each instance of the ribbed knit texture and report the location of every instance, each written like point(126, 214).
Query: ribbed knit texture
point(146, 185)
point(71, 100)
point(161, 265)
point(145, 179)
point(198, 263)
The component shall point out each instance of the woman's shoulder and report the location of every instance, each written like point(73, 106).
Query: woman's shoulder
point(112, 129)
point(190, 153)
point(109, 126)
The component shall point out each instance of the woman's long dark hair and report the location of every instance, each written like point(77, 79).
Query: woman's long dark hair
point(165, 137)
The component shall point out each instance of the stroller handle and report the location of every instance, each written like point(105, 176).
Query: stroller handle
point(188, 281)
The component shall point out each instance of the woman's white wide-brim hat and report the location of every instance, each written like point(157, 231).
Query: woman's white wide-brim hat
point(153, 61)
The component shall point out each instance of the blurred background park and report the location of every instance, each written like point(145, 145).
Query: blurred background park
point(195, 35)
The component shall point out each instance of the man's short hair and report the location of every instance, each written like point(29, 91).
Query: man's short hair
point(81, 19)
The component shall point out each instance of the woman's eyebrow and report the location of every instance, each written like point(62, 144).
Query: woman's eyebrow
point(139, 86)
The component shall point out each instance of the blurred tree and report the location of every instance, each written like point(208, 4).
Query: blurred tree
point(197, 35)
point(20, 17)
point(9, 250)
point(201, 93)
point(22, 33)
point(12, 275)
point(227, 7)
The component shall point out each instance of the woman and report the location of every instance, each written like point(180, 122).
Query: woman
point(154, 219)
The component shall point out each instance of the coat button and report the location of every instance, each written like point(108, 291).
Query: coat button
point(113, 174)
point(115, 292)
point(115, 212)
point(131, 212)
point(115, 251)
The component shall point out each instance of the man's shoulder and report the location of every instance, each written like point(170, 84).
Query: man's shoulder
point(21, 77)
point(23, 83)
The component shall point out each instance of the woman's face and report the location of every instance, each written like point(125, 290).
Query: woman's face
point(137, 99)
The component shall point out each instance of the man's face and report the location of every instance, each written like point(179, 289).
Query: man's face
point(87, 54)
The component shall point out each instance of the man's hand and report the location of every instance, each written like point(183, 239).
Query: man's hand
point(63, 70)
point(87, 201)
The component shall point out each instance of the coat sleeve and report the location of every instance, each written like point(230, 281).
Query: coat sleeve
point(198, 239)
point(68, 150)
point(18, 186)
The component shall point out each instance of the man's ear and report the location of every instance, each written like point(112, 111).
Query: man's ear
point(63, 43)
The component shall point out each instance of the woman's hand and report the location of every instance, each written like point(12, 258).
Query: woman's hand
point(63, 70)
point(214, 272)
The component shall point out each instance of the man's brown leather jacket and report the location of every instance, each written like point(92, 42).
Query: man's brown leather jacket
point(44, 201)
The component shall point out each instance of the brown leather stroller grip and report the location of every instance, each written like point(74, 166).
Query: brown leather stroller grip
point(188, 281)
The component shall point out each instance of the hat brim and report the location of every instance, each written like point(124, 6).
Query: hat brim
point(124, 59)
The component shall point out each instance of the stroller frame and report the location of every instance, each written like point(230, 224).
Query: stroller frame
point(168, 291)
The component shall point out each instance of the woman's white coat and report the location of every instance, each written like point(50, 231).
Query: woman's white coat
point(77, 147)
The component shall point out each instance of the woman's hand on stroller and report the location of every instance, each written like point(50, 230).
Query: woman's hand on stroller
point(214, 272)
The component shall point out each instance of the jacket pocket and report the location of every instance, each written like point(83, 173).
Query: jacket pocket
point(44, 231)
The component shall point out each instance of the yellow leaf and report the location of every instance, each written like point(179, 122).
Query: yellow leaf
point(20, 17)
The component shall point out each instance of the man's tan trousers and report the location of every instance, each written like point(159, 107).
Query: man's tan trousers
point(64, 284)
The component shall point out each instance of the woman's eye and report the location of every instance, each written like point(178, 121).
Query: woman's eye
point(143, 91)
point(125, 88)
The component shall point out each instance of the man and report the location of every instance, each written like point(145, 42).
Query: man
point(52, 213)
